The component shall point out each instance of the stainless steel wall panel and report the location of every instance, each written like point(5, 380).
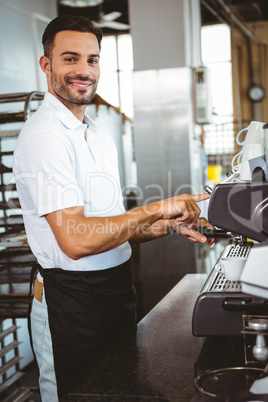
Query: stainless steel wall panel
point(163, 132)
point(158, 31)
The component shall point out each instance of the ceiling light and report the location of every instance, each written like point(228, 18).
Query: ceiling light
point(80, 3)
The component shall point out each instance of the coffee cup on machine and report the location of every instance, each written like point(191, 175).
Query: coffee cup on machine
point(231, 267)
point(250, 151)
point(253, 147)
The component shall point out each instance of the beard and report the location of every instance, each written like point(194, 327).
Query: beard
point(61, 88)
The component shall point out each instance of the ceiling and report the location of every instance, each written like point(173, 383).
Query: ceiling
point(212, 11)
point(107, 6)
point(246, 10)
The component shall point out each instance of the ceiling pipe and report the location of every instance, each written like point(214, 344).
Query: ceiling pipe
point(232, 18)
point(213, 12)
point(257, 8)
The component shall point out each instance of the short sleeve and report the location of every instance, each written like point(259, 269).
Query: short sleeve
point(46, 169)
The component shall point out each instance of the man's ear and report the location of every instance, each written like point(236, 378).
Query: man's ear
point(44, 63)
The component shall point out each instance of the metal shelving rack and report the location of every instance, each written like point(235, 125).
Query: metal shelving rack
point(16, 258)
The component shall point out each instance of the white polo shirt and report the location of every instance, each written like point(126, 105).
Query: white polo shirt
point(55, 167)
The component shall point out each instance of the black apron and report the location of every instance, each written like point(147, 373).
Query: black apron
point(89, 311)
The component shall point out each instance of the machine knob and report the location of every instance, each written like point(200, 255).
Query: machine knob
point(260, 350)
point(208, 189)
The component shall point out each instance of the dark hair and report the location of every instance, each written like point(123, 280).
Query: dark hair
point(67, 23)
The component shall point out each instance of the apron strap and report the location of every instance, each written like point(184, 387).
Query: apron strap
point(35, 268)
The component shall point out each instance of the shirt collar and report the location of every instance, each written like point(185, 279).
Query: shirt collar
point(67, 118)
point(90, 123)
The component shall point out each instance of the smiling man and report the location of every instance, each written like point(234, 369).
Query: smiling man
point(74, 70)
point(68, 184)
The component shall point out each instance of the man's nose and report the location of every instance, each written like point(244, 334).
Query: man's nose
point(83, 67)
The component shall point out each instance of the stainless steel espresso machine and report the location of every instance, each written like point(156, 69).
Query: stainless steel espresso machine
point(238, 209)
point(241, 210)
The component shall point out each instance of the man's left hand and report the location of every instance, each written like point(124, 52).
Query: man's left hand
point(189, 230)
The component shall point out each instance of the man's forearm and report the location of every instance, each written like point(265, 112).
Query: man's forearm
point(158, 229)
point(79, 236)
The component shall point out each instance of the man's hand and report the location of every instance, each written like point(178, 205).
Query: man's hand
point(189, 230)
point(183, 208)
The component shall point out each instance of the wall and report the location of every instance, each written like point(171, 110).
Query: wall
point(249, 62)
point(165, 34)
point(18, 50)
point(156, 45)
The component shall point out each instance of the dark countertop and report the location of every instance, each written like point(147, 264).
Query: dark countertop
point(156, 365)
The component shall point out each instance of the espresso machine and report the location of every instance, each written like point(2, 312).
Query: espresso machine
point(238, 209)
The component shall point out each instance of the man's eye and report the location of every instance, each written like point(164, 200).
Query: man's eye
point(93, 61)
point(70, 59)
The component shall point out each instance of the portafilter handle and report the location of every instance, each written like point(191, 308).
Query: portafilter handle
point(220, 233)
point(214, 232)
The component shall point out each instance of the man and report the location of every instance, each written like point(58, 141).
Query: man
point(68, 185)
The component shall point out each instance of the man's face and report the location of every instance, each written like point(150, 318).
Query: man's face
point(74, 67)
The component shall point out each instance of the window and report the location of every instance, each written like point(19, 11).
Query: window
point(116, 63)
point(216, 55)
